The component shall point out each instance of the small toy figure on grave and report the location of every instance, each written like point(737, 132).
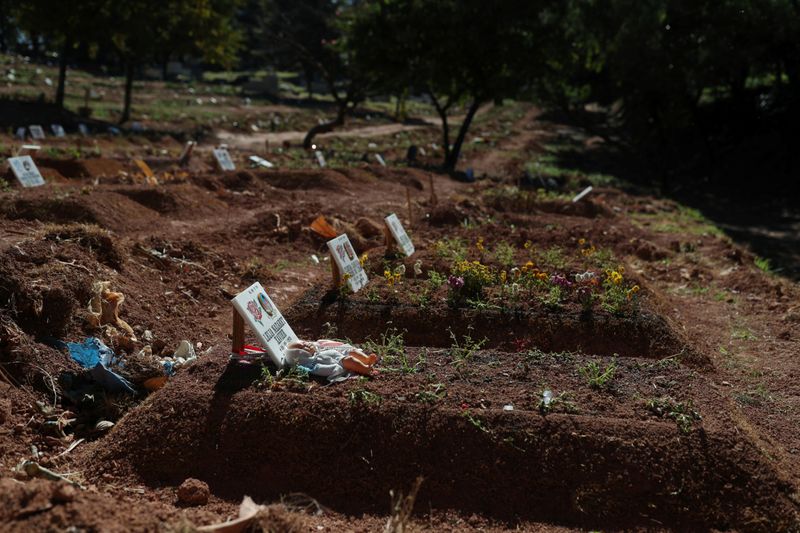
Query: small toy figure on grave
point(328, 358)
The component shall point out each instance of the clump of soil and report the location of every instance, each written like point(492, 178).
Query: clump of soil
point(193, 492)
point(96, 240)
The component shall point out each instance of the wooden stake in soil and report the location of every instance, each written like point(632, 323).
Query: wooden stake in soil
point(336, 277)
point(410, 214)
point(238, 333)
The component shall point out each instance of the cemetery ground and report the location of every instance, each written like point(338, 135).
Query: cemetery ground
point(618, 362)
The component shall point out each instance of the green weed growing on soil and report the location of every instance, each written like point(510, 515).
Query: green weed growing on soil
point(596, 376)
point(463, 351)
point(433, 393)
point(763, 264)
point(363, 396)
point(682, 413)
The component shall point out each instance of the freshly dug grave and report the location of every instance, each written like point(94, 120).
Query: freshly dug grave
point(644, 334)
point(83, 168)
point(339, 445)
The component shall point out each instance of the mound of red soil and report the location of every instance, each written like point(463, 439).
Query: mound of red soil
point(83, 168)
point(569, 469)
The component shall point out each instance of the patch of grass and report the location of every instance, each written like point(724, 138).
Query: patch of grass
point(763, 264)
point(742, 333)
point(597, 377)
point(504, 254)
point(755, 397)
point(389, 348)
point(453, 249)
point(553, 257)
point(683, 413)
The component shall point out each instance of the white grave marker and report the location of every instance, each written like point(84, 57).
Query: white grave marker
point(379, 157)
point(83, 129)
point(20, 133)
point(36, 132)
point(264, 319)
point(347, 262)
point(186, 155)
point(25, 171)
point(224, 159)
point(581, 194)
point(399, 234)
point(320, 159)
point(58, 130)
point(260, 161)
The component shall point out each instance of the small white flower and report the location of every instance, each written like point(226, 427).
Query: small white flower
point(418, 267)
point(400, 270)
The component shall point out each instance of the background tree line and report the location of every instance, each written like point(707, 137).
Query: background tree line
point(672, 73)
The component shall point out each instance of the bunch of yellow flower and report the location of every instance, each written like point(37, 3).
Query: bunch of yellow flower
point(363, 258)
point(392, 278)
point(614, 277)
point(630, 293)
point(587, 249)
point(528, 267)
point(474, 270)
point(479, 245)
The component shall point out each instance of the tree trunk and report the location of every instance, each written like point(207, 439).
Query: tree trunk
point(309, 84)
point(452, 157)
point(326, 126)
point(126, 111)
point(62, 74)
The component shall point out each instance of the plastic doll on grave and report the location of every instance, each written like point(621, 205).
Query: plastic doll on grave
point(330, 359)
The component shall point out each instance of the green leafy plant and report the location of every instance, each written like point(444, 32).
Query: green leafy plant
point(462, 351)
point(596, 376)
point(683, 413)
point(363, 396)
point(453, 249)
point(433, 393)
point(476, 422)
point(504, 254)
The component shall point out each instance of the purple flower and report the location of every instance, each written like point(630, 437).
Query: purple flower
point(561, 281)
point(456, 282)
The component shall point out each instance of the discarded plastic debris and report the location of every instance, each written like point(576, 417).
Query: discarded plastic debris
point(96, 357)
point(547, 398)
point(508, 407)
point(321, 227)
point(331, 359)
point(260, 162)
point(583, 193)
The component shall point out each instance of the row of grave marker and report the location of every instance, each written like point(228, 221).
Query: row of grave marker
point(254, 307)
point(37, 132)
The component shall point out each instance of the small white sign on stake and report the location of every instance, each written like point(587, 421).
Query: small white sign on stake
point(259, 312)
point(224, 159)
point(347, 262)
point(320, 159)
point(581, 194)
point(25, 171)
point(36, 132)
point(399, 234)
point(58, 130)
point(20, 133)
point(380, 160)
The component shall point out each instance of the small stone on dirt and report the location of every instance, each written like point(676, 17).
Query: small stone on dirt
point(193, 492)
point(64, 493)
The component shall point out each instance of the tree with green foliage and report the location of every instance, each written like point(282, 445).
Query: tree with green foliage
point(64, 25)
point(466, 52)
point(144, 30)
